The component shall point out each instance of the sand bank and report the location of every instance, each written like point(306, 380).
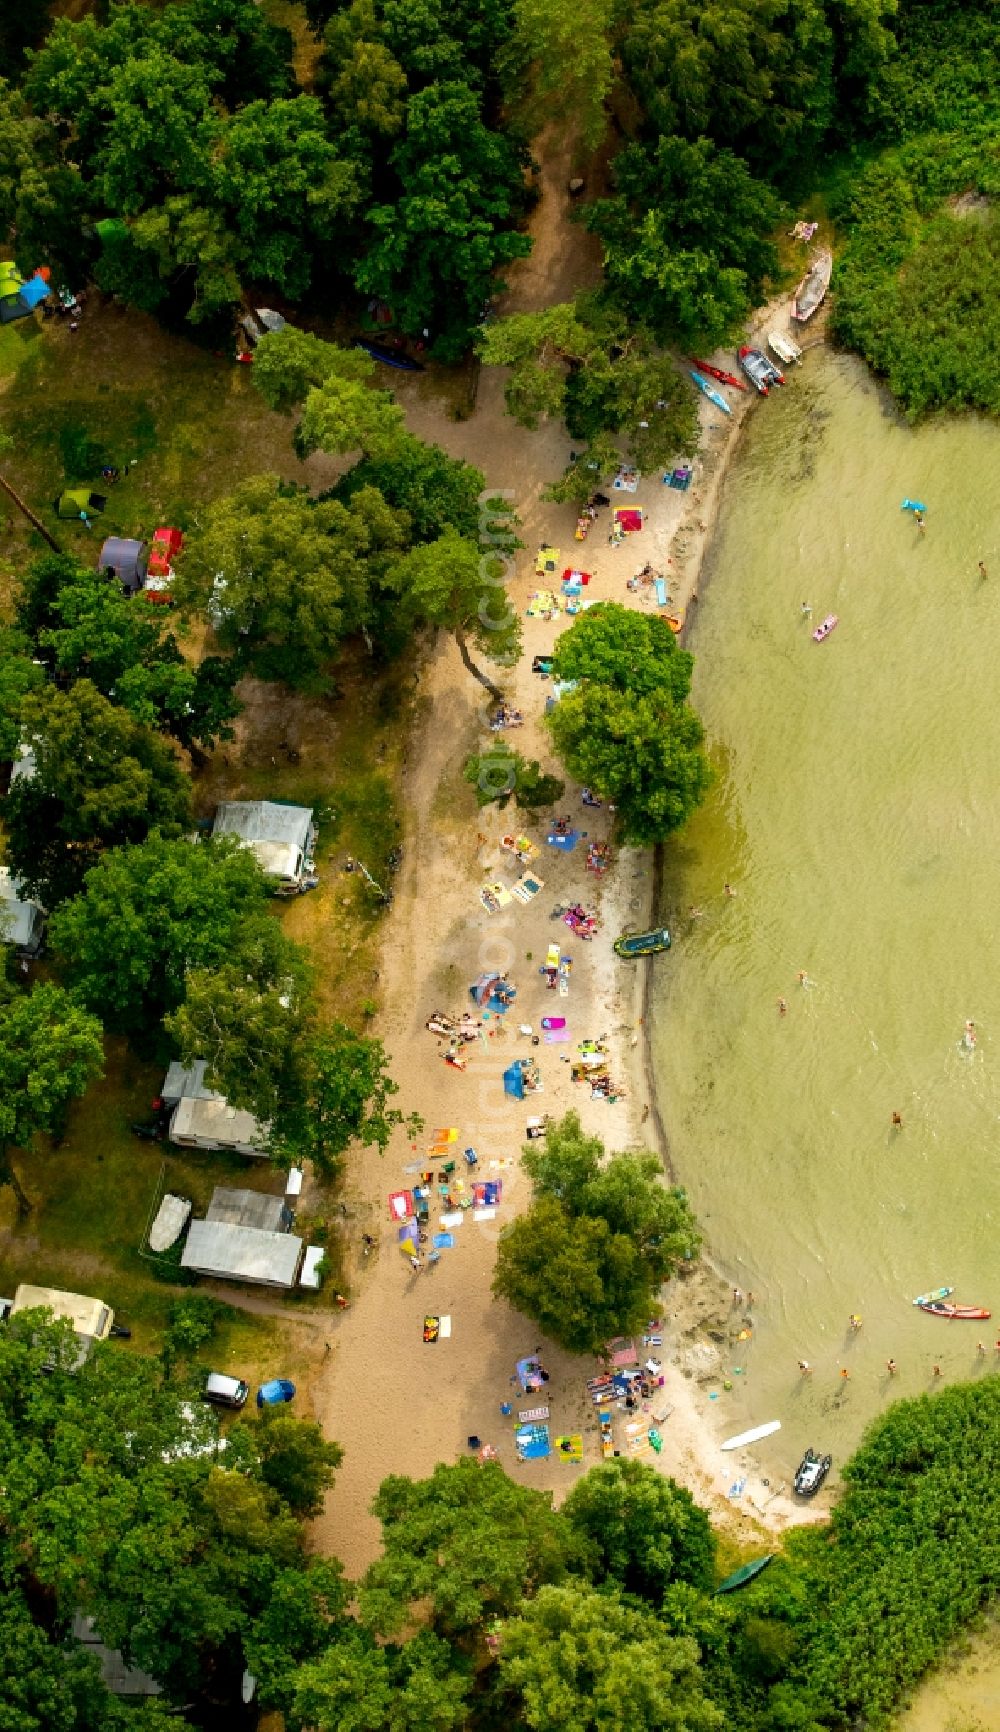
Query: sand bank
point(398, 1404)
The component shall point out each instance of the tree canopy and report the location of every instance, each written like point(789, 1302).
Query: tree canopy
point(468, 1541)
point(587, 1259)
point(626, 730)
point(592, 1662)
point(644, 1531)
point(150, 914)
point(101, 780)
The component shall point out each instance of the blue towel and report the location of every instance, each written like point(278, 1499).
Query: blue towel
point(443, 1241)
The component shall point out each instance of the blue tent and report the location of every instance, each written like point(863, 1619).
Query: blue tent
point(34, 292)
point(513, 1081)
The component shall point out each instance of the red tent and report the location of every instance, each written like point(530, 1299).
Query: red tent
point(166, 543)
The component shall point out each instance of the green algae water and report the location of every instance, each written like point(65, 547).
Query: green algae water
point(856, 816)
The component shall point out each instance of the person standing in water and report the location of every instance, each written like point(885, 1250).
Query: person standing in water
point(982, 569)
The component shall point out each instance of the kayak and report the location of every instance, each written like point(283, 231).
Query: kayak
point(720, 373)
point(932, 1298)
point(745, 1574)
point(711, 393)
point(389, 357)
point(759, 1431)
point(957, 1313)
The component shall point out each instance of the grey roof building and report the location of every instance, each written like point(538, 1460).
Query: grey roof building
point(203, 1119)
point(280, 837)
point(243, 1254)
point(249, 1209)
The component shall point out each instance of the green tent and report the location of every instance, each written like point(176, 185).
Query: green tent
point(80, 502)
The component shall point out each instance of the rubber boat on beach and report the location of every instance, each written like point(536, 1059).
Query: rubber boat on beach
point(642, 943)
point(754, 1436)
point(933, 1298)
point(711, 393)
point(956, 1313)
point(719, 373)
point(823, 631)
point(811, 292)
point(761, 372)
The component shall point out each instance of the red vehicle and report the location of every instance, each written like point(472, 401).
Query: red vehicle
point(720, 374)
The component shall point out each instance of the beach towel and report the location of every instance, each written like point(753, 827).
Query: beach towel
point(737, 1488)
point(484, 1214)
point(453, 1219)
point(532, 1442)
point(528, 1415)
point(527, 886)
point(571, 575)
point(553, 1022)
point(661, 592)
point(629, 519)
point(553, 1036)
point(445, 1328)
point(566, 843)
point(570, 1448)
point(621, 1351)
point(443, 1241)
point(546, 560)
point(400, 1205)
point(448, 1135)
point(487, 1192)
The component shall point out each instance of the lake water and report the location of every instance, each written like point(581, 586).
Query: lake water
point(856, 814)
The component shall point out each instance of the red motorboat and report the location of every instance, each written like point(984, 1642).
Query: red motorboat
point(957, 1313)
point(719, 373)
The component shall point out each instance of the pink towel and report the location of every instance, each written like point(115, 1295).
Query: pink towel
point(553, 1035)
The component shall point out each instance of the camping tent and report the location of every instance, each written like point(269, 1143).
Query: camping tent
point(18, 298)
point(80, 502)
point(126, 560)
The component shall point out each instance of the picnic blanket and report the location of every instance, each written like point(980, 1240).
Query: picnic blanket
point(565, 843)
point(570, 1447)
point(400, 1205)
point(543, 601)
point(532, 1442)
point(529, 1375)
point(552, 1036)
point(629, 519)
point(546, 560)
point(621, 1351)
point(487, 1193)
point(527, 887)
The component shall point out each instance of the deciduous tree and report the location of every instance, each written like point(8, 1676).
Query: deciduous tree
point(50, 1051)
point(467, 1541)
point(451, 584)
point(591, 1662)
point(151, 914)
point(644, 1530)
point(344, 1096)
point(101, 780)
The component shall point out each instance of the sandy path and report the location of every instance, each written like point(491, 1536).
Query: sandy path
point(393, 1402)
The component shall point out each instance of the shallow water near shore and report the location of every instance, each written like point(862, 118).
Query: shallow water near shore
point(856, 815)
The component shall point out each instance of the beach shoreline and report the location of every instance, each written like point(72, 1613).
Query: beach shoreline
point(421, 1410)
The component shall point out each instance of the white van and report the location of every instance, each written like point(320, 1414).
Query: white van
point(225, 1391)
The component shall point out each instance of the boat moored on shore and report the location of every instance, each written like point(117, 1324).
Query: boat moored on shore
point(811, 292)
point(710, 392)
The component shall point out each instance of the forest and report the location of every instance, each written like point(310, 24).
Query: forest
point(486, 1608)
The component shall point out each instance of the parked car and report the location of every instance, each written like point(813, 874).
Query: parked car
point(225, 1391)
point(272, 1394)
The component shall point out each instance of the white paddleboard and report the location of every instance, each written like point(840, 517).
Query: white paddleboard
point(753, 1436)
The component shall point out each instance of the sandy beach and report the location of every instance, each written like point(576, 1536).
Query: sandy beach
point(396, 1403)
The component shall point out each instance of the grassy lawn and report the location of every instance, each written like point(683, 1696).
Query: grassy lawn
point(185, 426)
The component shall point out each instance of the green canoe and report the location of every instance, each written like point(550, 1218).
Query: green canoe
point(643, 943)
point(739, 1578)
